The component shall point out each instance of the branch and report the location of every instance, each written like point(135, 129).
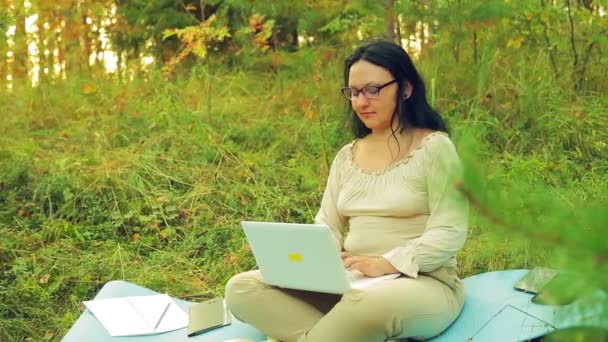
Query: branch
point(572, 44)
point(598, 257)
point(586, 58)
point(202, 6)
point(187, 11)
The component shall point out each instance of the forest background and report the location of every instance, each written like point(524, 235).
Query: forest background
point(136, 135)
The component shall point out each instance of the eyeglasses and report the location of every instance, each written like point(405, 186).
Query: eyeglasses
point(371, 92)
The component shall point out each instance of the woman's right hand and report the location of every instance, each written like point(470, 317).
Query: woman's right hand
point(370, 266)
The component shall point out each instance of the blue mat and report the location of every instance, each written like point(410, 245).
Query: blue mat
point(493, 311)
point(88, 329)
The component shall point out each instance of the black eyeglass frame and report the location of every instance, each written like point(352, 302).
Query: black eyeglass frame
point(365, 91)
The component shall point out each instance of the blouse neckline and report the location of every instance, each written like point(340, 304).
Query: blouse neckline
point(396, 163)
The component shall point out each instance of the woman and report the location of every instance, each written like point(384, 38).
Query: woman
point(391, 202)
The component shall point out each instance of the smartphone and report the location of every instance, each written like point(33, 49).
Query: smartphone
point(562, 289)
point(536, 279)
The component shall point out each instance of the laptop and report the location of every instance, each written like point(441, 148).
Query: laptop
point(303, 257)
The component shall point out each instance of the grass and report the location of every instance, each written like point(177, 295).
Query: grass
point(148, 180)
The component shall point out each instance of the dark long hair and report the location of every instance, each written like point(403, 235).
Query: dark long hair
point(414, 111)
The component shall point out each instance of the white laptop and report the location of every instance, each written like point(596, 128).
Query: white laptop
point(303, 257)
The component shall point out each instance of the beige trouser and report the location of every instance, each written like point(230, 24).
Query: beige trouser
point(404, 307)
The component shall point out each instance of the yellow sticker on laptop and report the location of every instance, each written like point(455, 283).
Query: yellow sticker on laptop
point(296, 257)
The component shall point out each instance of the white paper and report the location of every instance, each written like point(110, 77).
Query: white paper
point(358, 280)
point(138, 315)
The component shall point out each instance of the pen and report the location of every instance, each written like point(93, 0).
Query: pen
point(162, 315)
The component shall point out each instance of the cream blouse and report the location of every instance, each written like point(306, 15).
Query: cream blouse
point(410, 212)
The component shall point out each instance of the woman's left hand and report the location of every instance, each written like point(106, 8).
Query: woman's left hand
point(371, 266)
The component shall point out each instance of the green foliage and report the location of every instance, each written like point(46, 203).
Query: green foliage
point(196, 40)
point(344, 22)
point(5, 22)
point(142, 21)
point(152, 189)
point(147, 179)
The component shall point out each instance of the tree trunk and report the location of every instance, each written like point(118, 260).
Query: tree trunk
point(60, 47)
point(43, 38)
point(456, 42)
point(98, 62)
point(475, 47)
point(389, 20)
point(71, 40)
point(286, 35)
point(86, 39)
point(119, 68)
point(20, 51)
point(399, 37)
point(3, 51)
point(588, 4)
point(422, 35)
point(3, 62)
point(54, 25)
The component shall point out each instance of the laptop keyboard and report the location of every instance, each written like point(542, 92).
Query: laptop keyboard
point(353, 275)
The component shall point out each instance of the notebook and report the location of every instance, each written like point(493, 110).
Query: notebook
point(138, 315)
point(208, 315)
point(303, 257)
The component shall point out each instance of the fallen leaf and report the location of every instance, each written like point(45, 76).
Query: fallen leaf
point(88, 89)
point(24, 213)
point(231, 259)
point(166, 233)
point(44, 278)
